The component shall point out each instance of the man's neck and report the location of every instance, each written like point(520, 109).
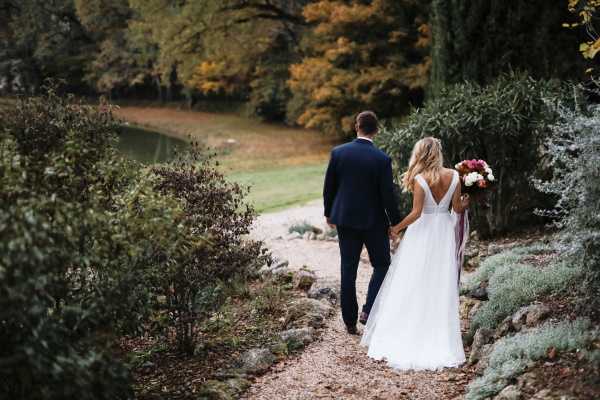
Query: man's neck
point(370, 139)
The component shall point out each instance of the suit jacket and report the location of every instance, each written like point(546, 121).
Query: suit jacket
point(359, 187)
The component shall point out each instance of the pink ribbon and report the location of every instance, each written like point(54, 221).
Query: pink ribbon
point(462, 235)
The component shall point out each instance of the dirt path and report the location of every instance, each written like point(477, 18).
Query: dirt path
point(336, 366)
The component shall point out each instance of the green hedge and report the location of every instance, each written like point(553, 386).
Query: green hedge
point(505, 123)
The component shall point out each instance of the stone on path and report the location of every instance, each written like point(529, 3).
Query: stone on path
point(256, 361)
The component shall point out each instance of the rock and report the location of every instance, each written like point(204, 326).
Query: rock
point(284, 276)
point(265, 270)
point(511, 392)
point(518, 318)
point(504, 328)
point(293, 235)
point(280, 264)
point(529, 315)
point(466, 305)
point(280, 349)
point(304, 279)
point(297, 338)
point(307, 312)
point(256, 361)
point(479, 293)
point(472, 263)
point(223, 390)
point(547, 394)
point(482, 337)
point(325, 291)
point(537, 313)
point(495, 248)
point(527, 381)
point(474, 310)
point(484, 358)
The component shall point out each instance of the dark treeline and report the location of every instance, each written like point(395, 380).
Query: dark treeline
point(308, 62)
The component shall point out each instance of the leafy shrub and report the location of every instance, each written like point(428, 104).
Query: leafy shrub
point(574, 150)
point(505, 123)
point(215, 217)
point(90, 241)
point(511, 355)
point(515, 285)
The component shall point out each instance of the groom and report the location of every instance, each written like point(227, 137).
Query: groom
point(359, 201)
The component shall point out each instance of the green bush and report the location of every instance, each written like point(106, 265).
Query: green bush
point(514, 285)
point(505, 123)
point(90, 241)
point(511, 355)
point(574, 150)
point(56, 292)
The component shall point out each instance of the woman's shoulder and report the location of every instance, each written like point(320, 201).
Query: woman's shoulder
point(449, 173)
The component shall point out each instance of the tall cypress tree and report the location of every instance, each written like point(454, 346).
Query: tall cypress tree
point(477, 40)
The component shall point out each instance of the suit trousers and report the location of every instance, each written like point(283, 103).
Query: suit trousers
point(351, 242)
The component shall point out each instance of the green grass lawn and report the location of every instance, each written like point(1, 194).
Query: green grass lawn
point(276, 189)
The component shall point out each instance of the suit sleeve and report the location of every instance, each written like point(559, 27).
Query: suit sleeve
point(386, 186)
point(330, 186)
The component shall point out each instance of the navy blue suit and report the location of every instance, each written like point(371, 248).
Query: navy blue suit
point(359, 199)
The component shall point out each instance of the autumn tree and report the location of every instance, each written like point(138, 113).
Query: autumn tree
point(359, 55)
point(587, 12)
point(248, 52)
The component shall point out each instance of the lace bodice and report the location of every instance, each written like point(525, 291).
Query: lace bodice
point(430, 206)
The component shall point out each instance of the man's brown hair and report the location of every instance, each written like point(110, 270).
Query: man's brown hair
point(367, 123)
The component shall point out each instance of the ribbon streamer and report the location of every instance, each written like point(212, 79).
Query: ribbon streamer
point(462, 235)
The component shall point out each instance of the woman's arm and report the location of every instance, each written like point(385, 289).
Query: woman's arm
point(418, 200)
point(459, 202)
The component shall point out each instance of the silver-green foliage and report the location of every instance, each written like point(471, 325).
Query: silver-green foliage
point(511, 355)
point(515, 285)
point(574, 151)
point(492, 263)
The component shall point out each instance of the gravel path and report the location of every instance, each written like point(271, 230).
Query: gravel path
point(336, 366)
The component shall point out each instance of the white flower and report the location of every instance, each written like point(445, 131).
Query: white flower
point(457, 166)
point(472, 177)
point(491, 177)
point(488, 170)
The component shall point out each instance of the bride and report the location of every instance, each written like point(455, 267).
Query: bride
point(414, 323)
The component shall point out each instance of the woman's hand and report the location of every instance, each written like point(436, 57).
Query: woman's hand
point(465, 201)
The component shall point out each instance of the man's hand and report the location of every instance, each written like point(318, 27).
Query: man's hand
point(395, 230)
point(331, 225)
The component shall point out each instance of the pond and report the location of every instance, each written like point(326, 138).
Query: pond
point(147, 146)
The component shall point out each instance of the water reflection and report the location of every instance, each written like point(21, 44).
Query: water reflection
point(148, 147)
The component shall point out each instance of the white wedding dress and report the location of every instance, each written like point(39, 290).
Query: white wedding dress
point(414, 322)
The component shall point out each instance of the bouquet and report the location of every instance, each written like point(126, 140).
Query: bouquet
point(475, 176)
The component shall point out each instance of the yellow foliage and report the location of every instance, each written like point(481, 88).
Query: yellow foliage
point(590, 49)
point(586, 10)
point(363, 55)
point(217, 77)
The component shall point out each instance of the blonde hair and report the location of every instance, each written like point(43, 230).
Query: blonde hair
point(426, 159)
